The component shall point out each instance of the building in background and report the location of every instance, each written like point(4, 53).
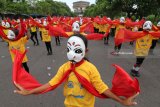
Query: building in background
point(79, 7)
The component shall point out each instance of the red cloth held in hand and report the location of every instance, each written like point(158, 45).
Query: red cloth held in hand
point(123, 84)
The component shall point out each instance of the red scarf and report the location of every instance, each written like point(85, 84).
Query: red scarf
point(123, 85)
point(21, 32)
point(125, 35)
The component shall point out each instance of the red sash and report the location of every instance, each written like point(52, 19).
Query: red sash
point(21, 32)
point(122, 83)
point(125, 35)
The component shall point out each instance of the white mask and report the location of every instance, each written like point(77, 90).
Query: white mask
point(75, 49)
point(18, 20)
point(122, 20)
point(3, 23)
point(147, 25)
point(7, 25)
point(137, 20)
point(75, 27)
point(158, 24)
point(109, 18)
point(11, 34)
point(39, 21)
point(44, 23)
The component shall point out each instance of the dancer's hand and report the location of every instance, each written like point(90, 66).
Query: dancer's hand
point(21, 90)
point(130, 101)
point(104, 35)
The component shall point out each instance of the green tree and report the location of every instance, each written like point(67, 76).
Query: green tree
point(2, 5)
point(114, 8)
point(144, 7)
point(43, 7)
point(17, 8)
point(89, 11)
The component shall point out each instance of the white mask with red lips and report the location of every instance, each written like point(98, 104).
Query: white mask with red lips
point(75, 27)
point(11, 35)
point(75, 49)
point(7, 25)
point(158, 24)
point(147, 25)
point(45, 23)
point(122, 20)
point(3, 23)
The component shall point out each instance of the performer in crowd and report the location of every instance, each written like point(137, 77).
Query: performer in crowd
point(33, 30)
point(154, 41)
point(118, 27)
point(82, 79)
point(46, 38)
point(18, 44)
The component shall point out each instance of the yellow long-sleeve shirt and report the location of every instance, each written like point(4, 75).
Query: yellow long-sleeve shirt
point(76, 95)
point(33, 29)
point(45, 35)
point(143, 45)
point(20, 45)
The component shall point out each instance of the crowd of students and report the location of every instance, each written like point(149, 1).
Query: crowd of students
point(143, 33)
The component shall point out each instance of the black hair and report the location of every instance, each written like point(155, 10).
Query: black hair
point(16, 31)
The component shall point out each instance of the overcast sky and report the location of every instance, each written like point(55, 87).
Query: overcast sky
point(70, 2)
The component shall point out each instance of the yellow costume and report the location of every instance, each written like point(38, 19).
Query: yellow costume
point(33, 29)
point(76, 95)
point(143, 45)
point(20, 45)
point(45, 35)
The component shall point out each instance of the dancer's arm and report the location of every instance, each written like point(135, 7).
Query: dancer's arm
point(22, 91)
point(124, 101)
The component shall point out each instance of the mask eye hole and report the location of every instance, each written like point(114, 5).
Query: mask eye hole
point(78, 51)
point(68, 49)
point(77, 27)
point(145, 25)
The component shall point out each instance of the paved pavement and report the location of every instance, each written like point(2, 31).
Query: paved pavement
point(44, 67)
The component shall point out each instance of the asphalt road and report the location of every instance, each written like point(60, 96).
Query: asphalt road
point(44, 67)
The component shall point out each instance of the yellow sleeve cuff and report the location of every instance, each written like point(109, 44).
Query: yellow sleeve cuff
point(104, 88)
